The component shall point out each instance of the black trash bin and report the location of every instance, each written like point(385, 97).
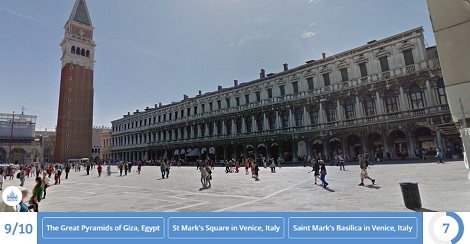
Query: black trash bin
point(411, 197)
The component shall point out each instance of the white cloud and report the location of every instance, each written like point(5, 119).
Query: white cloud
point(308, 34)
point(313, 2)
point(251, 37)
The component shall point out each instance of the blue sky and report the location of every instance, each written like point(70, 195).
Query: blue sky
point(152, 51)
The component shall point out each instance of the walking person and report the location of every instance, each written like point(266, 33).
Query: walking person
point(22, 177)
point(209, 176)
point(162, 169)
point(37, 195)
point(88, 169)
point(59, 174)
point(439, 156)
point(167, 169)
point(109, 169)
point(316, 170)
point(323, 173)
point(272, 165)
point(139, 168)
point(341, 163)
point(247, 165)
point(279, 161)
point(45, 182)
point(203, 177)
point(99, 170)
point(67, 170)
point(126, 167)
point(256, 171)
point(364, 175)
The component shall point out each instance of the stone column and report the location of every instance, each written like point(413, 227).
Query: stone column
point(379, 103)
point(268, 149)
point(294, 151)
point(321, 118)
point(411, 146)
point(325, 153)
point(385, 144)
point(364, 143)
point(430, 97)
point(278, 121)
point(439, 142)
point(339, 112)
point(403, 101)
point(281, 151)
point(359, 109)
point(343, 144)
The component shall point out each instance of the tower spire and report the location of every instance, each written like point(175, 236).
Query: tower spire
point(80, 13)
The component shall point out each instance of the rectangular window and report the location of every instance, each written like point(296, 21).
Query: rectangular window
point(164, 117)
point(182, 113)
point(310, 83)
point(408, 55)
point(363, 69)
point(270, 93)
point(331, 116)
point(219, 104)
point(350, 111)
point(326, 79)
point(203, 107)
point(159, 118)
point(227, 102)
point(295, 87)
point(237, 101)
point(391, 103)
point(282, 90)
point(258, 96)
point(169, 116)
point(176, 115)
point(154, 119)
point(210, 106)
point(384, 64)
point(188, 112)
point(344, 74)
point(314, 117)
point(370, 107)
point(195, 110)
point(417, 100)
point(441, 93)
point(247, 98)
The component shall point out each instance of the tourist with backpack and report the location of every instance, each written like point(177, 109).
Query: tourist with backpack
point(364, 175)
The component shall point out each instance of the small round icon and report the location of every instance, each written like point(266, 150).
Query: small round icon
point(446, 228)
point(12, 196)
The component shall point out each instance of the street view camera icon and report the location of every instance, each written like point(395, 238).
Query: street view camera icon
point(12, 196)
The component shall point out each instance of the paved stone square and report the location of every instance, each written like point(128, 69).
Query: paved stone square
point(443, 187)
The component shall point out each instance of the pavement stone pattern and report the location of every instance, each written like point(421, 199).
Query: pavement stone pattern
point(443, 188)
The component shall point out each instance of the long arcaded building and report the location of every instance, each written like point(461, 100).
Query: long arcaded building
point(386, 98)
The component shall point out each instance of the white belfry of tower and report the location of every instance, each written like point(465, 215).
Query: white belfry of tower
point(79, 36)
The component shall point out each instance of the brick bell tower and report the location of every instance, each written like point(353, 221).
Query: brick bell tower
point(75, 115)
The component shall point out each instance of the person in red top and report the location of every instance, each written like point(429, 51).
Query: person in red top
point(99, 170)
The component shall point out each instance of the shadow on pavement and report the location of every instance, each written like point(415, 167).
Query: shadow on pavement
point(424, 210)
point(374, 187)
